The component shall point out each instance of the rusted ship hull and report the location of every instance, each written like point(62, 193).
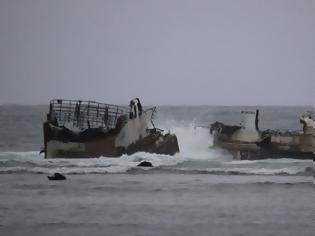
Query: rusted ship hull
point(247, 142)
point(107, 132)
point(245, 151)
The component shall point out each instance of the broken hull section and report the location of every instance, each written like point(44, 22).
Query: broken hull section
point(60, 146)
point(247, 142)
point(126, 134)
point(247, 151)
point(158, 143)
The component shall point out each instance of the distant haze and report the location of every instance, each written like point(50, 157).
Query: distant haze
point(177, 52)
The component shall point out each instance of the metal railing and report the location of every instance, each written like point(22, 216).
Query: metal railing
point(150, 113)
point(85, 114)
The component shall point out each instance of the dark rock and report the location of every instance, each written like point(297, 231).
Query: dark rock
point(145, 164)
point(57, 176)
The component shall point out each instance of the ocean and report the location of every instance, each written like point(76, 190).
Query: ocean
point(199, 191)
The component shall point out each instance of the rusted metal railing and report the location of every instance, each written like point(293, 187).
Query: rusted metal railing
point(85, 114)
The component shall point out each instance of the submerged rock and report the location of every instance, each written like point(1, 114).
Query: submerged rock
point(145, 164)
point(57, 176)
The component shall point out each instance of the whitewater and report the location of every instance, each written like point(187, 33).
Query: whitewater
point(199, 191)
point(196, 156)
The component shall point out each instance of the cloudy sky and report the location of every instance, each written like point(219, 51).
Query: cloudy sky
point(193, 52)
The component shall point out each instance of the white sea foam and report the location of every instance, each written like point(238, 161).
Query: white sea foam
point(262, 171)
point(25, 162)
point(272, 161)
point(248, 171)
point(194, 142)
point(125, 168)
point(194, 145)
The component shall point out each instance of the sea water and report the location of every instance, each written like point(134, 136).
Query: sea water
point(199, 191)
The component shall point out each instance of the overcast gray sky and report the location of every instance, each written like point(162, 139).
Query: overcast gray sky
point(237, 52)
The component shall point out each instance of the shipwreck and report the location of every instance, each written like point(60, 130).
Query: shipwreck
point(89, 129)
point(247, 142)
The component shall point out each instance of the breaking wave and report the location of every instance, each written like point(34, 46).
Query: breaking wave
point(194, 141)
point(132, 168)
point(306, 171)
point(196, 157)
point(270, 161)
point(32, 162)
